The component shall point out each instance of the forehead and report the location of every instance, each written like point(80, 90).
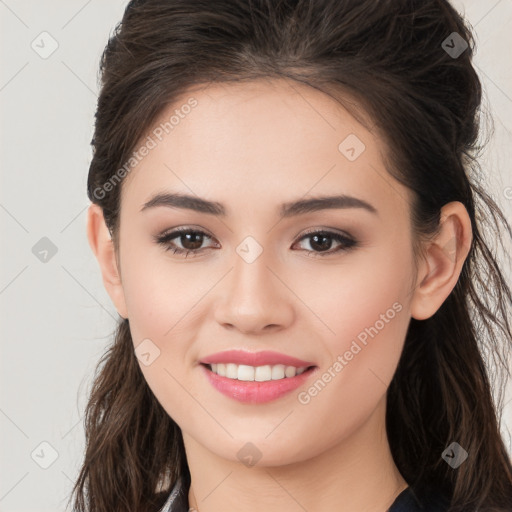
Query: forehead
point(257, 141)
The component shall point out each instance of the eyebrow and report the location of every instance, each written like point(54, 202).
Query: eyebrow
point(290, 209)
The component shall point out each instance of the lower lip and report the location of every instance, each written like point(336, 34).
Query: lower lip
point(256, 392)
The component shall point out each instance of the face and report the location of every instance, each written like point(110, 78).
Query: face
point(329, 286)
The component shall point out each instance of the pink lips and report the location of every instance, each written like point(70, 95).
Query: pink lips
point(253, 391)
point(254, 358)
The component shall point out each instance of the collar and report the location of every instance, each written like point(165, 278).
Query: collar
point(177, 500)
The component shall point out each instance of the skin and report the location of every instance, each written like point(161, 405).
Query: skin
point(251, 147)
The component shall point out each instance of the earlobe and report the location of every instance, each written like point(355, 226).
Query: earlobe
point(442, 264)
point(103, 248)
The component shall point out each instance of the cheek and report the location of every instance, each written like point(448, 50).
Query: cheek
point(160, 295)
point(163, 303)
point(369, 289)
point(372, 303)
point(368, 310)
point(160, 303)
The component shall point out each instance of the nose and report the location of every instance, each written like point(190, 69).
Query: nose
point(254, 299)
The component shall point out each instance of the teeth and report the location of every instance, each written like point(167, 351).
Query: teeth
point(256, 373)
point(231, 371)
point(278, 372)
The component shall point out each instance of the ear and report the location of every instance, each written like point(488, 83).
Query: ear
point(103, 248)
point(441, 266)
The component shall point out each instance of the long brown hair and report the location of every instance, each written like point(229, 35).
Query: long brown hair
point(390, 56)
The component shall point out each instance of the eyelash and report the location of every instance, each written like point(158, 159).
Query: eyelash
point(347, 242)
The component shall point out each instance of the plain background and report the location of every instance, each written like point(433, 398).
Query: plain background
point(57, 319)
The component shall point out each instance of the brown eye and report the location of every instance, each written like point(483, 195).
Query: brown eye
point(322, 241)
point(190, 240)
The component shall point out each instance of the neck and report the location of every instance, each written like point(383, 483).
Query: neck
point(358, 473)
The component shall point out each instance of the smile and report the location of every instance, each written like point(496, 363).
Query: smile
point(256, 373)
point(249, 389)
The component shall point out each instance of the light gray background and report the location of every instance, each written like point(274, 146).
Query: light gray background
point(56, 317)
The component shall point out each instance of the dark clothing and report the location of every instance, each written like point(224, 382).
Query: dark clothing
point(406, 501)
point(178, 499)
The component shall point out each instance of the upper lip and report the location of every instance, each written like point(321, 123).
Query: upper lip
point(265, 357)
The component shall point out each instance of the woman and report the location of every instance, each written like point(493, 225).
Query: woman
point(288, 218)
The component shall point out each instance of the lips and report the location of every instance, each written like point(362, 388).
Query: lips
point(252, 392)
point(262, 358)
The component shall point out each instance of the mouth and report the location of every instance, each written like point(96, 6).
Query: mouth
point(256, 385)
point(264, 373)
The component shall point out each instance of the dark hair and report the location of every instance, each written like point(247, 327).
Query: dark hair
point(388, 55)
